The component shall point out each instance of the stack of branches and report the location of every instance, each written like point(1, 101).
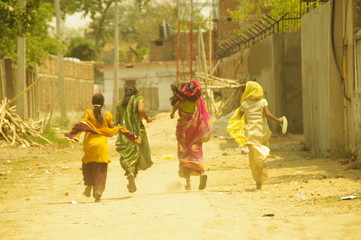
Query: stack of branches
point(231, 90)
point(216, 82)
point(14, 130)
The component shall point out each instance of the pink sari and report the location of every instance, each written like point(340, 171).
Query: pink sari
point(192, 130)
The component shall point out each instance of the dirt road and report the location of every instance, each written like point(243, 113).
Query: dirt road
point(41, 195)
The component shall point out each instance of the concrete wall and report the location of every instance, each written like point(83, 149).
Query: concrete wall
point(328, 117)
point(275, 62)
point(164, 92)
point(290, 74)
point(315, 80)
point(354, 61)
point(261, 66)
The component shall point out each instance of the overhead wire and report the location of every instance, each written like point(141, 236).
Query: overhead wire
point(334, 54)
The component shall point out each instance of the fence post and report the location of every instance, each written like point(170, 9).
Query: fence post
point(9, 79)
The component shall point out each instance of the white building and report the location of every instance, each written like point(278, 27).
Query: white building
point(152, 79)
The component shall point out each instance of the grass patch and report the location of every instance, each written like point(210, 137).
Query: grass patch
point(51, 135)
point(61, 122)
point(337, 198)
point(355, 166)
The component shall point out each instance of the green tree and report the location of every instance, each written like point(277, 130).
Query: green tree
point(137, 24)
point(31, 22)
point(143, 26)
point(98, 11)
point(251, 10)
point(81, 48)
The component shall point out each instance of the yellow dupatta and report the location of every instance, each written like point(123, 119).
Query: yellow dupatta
point(235, 127)
point(86, 124)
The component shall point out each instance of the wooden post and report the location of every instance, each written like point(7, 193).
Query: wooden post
point(21, 68)
point(204, 61)
point(10, 91)
point(210, 44)
point(116, 60)
point(2, 79)
point(61, 75)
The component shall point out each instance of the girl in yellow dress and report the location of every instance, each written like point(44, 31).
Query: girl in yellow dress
point(249, 126)
point(98, 126)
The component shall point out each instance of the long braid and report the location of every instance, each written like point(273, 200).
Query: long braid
point(98, 103)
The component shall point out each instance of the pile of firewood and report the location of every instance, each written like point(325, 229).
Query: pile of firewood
point(16, 131)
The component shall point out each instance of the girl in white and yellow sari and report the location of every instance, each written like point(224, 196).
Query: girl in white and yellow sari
point(248, 126)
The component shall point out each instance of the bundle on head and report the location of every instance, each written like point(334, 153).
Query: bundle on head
point(98, 103)
point(191, 92)
point(129, 91)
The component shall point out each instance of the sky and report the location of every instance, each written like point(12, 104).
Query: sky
point(76, 21)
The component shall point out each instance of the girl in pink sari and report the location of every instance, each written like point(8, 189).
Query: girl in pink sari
point(193, 128)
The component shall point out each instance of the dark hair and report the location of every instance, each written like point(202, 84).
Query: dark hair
point(129, 91)
point(98, 103)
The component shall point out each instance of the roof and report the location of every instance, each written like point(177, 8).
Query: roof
point(130, 65)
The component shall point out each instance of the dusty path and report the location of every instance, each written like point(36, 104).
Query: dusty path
point(41, 195)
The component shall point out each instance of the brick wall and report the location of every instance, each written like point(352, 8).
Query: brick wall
point(79, 86)
point(167, 50)
point(226, 26)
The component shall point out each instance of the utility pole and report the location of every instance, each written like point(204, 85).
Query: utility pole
point(116, 58)
point(21, 71)
point(61, 77)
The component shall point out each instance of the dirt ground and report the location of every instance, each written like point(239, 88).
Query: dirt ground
point(41, 195)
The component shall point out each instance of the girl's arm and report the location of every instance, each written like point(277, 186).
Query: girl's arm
point(142, 113)
point(271, 116)
point(174, 109)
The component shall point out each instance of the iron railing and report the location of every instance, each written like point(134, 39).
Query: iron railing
point(267, 25)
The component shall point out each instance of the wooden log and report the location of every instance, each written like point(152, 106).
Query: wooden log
point(14, 130)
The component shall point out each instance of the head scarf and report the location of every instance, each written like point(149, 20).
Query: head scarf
point(253, 91)
point(186, 93)
point(195, 92)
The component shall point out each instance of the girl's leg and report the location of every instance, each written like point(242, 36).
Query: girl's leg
point(131, 183)
point(202, 181)
point(100, 171)
point(87, 170)
point(185, 173)
point(257, 162)
point(188, 185)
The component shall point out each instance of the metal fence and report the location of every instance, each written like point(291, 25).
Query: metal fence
point(267, 25)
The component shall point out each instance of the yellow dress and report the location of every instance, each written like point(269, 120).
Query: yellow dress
point(248, 126)
point(95, 146)
point(256, 127)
